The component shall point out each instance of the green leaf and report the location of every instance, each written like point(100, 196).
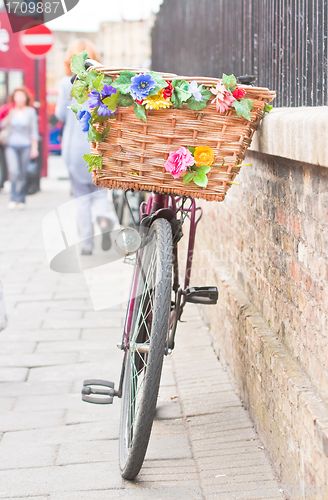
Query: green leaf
point(105, 132)
point(155, 90)
point(196, 105)
point(181, 88)
point(140, 111)
point(201, 180)
point(95, 118)
point(176, 100)
point(94, 161)
point(123, 82)
point(229, 81)
point(80, 91)
point(191, 149)
point(188, 176)
point(100, 119)
point(204, 169)
point(77, 64)
point(183, 94)
point(267, 108)
point(206, 93)
point(76, 108)
point(242, 108)
point(124, 100)
point(158, 79)
point(111, 102)
point(94, 135)
point(95, 80)
point(107, 80)
point(248, 102)
point(161, 83)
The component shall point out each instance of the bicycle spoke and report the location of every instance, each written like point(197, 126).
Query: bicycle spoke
point(144, 357)
point(146, 293)
point(145, 310)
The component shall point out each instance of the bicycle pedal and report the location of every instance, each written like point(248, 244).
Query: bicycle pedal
point(201, 294)
point(102, 396)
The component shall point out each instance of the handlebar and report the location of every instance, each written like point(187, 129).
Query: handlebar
point(87, 64)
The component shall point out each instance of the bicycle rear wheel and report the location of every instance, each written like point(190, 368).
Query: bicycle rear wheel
point(144, 357)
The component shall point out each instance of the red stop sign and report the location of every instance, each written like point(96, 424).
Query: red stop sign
point(37, 41)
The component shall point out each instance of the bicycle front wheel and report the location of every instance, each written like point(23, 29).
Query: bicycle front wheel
point(144, 356)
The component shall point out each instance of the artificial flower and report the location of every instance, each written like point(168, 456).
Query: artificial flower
point(223, 97)
point(96, 100)
point(239, 93)
point(84, 116)
point(141, 85)
point(104, 111)
point(195, 90)
point(203, 156)
point(107, 91)
point(168, 91)
point(157, 101)
point(178, 162)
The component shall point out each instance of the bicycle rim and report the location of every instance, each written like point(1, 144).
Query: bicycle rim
point(144, 357)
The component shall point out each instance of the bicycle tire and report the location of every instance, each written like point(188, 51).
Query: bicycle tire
point(149, 329)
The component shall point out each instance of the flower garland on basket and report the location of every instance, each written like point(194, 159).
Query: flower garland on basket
point(98, 97)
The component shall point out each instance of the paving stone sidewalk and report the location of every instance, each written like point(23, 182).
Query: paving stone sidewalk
point(52, 445)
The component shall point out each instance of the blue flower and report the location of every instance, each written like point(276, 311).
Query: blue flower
point(107, 91)
point(94, 99)
point(84, 116)
point(141, 85)
point(195, 90)
point(103, 110)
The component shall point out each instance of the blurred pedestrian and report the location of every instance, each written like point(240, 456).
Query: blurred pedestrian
point(74, 145)
point(21, 125)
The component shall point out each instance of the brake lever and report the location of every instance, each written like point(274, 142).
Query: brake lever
point(74, 78)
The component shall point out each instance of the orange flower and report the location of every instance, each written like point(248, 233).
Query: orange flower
point(203, 156)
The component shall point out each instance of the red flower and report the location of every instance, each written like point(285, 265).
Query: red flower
point(139, 102)
point(168, 91)
point(239, 93)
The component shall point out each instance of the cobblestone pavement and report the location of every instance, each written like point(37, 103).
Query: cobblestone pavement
point(52, 445)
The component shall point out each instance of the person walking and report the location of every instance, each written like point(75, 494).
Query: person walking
point(93, 204)
point(22, 144)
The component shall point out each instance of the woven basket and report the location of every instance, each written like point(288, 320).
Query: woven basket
point(134, 151)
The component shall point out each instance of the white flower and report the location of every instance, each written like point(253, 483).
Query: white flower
point(195, 90)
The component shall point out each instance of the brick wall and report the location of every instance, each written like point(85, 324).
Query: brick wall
point(265, 247)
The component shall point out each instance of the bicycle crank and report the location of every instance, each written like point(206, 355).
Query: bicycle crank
point(100, 392)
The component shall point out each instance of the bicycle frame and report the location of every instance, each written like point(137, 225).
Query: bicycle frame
point(165, 206)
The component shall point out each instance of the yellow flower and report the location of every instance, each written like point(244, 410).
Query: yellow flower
point(203, 156)
point(157, 101)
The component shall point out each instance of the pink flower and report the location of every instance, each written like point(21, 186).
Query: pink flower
point(239, 93)
point(223, 97)
point(177, 162)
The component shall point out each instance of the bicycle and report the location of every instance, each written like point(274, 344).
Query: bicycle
point(151, 322)
point(157, 300)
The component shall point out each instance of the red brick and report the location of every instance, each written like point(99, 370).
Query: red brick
point(294, 224)
point(295, 271)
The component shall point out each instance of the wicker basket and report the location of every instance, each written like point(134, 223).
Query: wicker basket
point(134, 152)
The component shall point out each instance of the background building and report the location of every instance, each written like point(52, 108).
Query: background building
point(120, 44)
